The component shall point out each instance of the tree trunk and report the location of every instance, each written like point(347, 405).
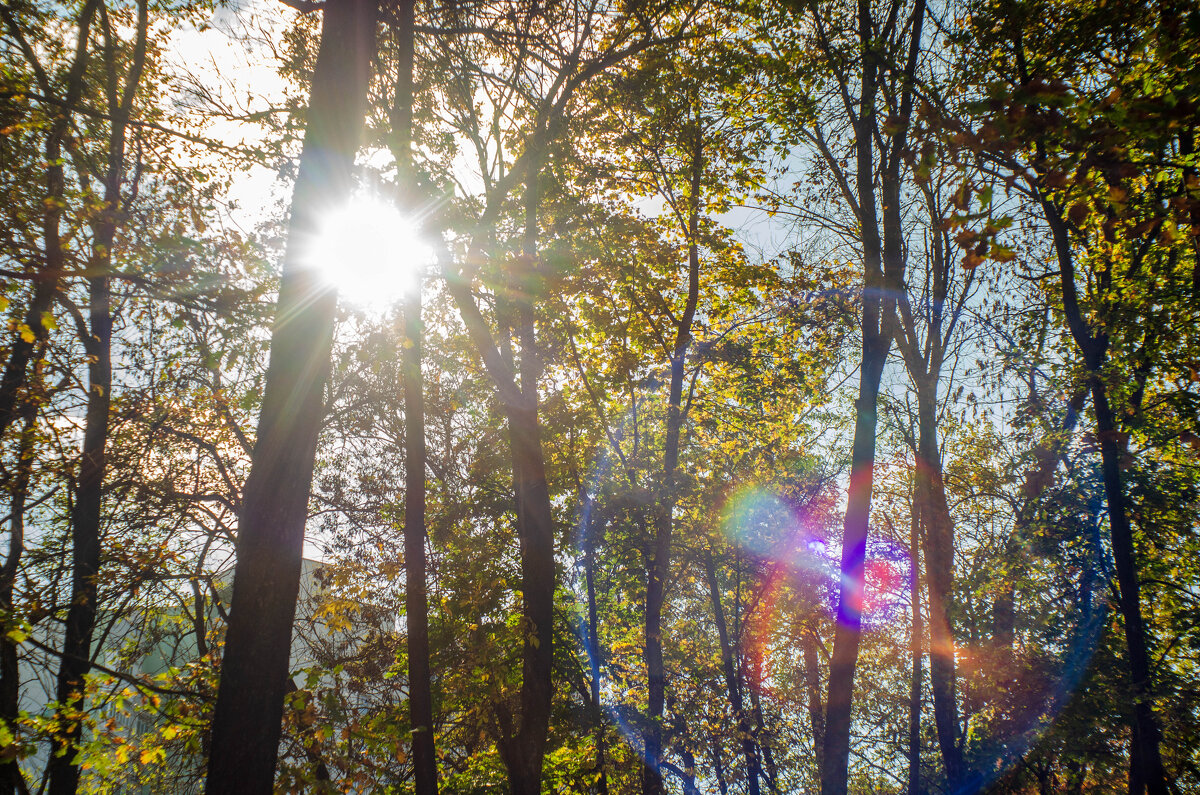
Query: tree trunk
point(85, 528)
point(660, 560)
point(62, 771)
point(1146, 768)
point(416, 603)
point(1146, 737)
point(415, 595)
point(594, 526)
point(732, 685)
point(939, 572)
point(879, 273)
point(249, 710)
point(523, 747)
point(11, 778)
point(836, 752)
point(916, 683)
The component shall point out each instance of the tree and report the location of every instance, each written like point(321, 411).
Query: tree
point(1105, 221)
point(249, 708)
point(884, 69)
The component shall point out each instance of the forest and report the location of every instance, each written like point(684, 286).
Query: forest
point(600, 396)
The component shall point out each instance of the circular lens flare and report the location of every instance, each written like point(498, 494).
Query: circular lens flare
point(1012, 691)
point(370, 251)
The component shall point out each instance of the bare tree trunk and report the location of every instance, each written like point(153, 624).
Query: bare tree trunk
point(523, 747)
point(1146, 736)
point(836, 753)
point(249, 711)
point(732, 685)
point(85, 532)
point(883, 279)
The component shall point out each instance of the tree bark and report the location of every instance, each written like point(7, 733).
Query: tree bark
point(249, 710)
point(85, 527)
point(1146, 735)
point(523, 747)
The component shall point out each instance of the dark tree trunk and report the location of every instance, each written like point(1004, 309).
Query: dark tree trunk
point(836, 752)
point(11, 778)
point(1146, 769)
point(523, 747)
point(85, 529)
point(1146, 737)
point(593, 529)
point(812, 684)
point(415, 595)
point(732, 683)
point(660, 559)
point(916, 682)
point(249, 710)
point(62, 771)
point(416, 603)
point(883, 278)
point(938, 541)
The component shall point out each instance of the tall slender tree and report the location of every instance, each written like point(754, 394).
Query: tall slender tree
point(254, 672)
point(416, 602)
point(878, 51)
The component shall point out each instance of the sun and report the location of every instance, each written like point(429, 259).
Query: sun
point(370, 251)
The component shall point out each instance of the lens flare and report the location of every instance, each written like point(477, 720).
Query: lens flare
point(1009, 691)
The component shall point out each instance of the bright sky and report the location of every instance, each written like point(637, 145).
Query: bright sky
point(231, 59)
